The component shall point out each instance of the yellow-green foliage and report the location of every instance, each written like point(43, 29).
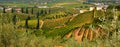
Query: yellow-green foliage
point(31, 23)
point(52, 23)
point(55, 15)
point(81, 19)
point(55, 28)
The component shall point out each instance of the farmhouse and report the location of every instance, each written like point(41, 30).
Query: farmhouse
point(98, 6)
point(91, 8)
point(1, 8)
point(41, 6)
point(8, 9)
point(83, 11)
point(18, 10)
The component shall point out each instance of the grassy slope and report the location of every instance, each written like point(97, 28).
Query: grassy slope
point(81, 18)
point(78, 21)
point(49, 26)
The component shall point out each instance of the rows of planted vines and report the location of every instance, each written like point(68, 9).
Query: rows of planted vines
point(58, 27)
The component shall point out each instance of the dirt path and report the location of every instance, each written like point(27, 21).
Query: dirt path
point(42, 22)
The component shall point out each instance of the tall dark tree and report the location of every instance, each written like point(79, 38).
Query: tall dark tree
point(27, 11)
point(28, 18)
point(48, 11)
point(14, 19)
point(12, 11)
point(45, 12)
point(37, 27)
point(117, 7)
point(42, 12)
point(22, 10)
point(4, 10)
point(38, 14)
point(32, 11)
point(26, 21)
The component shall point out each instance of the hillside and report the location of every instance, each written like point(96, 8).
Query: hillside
point(65, 26)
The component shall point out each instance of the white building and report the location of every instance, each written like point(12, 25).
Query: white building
point(1, 8)
point(91, 8)
point(42, 6)
point(8, 9)
point(83, 11)
point(99, 7)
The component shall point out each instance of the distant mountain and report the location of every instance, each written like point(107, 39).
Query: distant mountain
point(51, 1)
point(37, 0)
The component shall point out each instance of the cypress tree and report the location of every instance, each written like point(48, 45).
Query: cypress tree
point(94, 12)
point(27, 11)
point(12, 11)
point(26, 21)
point(38, 14)
point(28, 18)
point(22, 10)
point(14, 19)
point(48, 11)
point(45, 11)
point(4, 10)
point(27, 31)
point(37, 27)
point(42, 12)
point(32, 11)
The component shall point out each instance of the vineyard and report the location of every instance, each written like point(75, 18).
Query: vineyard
point(58, 27)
